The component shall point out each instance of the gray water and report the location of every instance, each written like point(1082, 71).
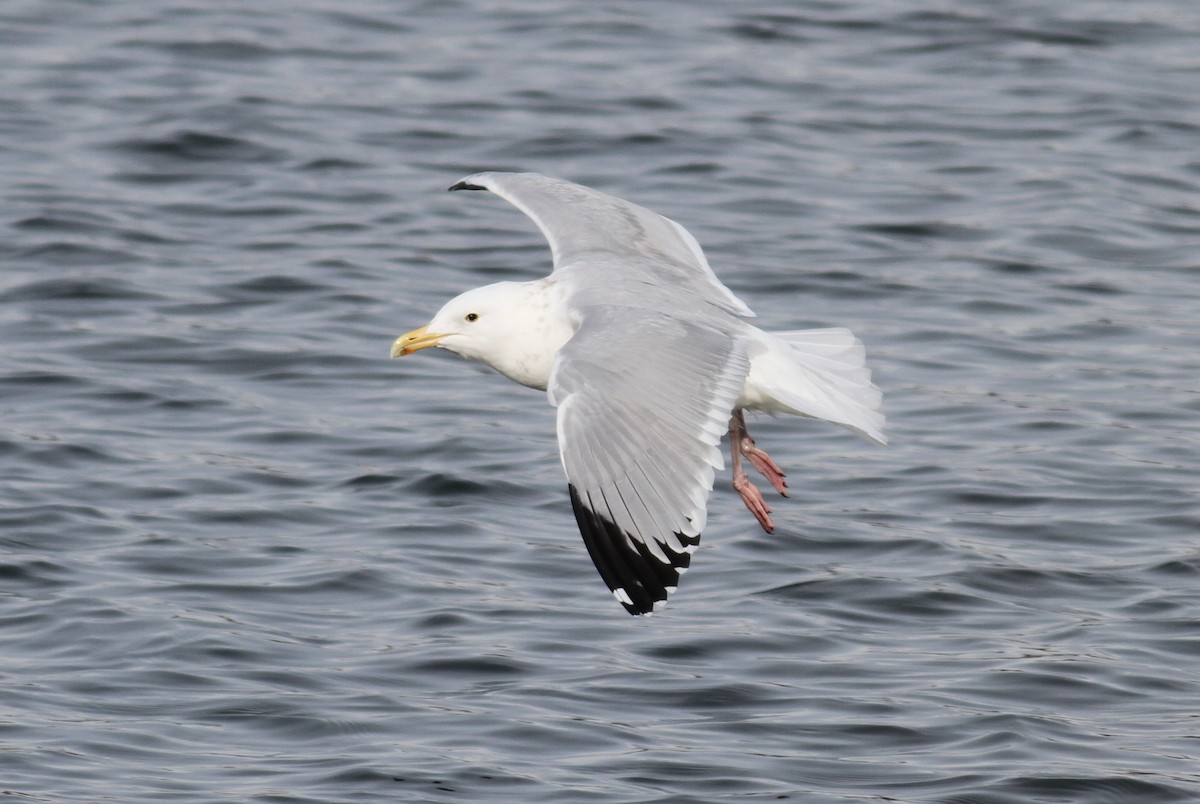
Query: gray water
point(245, 557)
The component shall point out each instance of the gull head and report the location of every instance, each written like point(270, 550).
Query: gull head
point(514, 327)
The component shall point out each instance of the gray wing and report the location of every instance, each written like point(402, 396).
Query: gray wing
point(581, 222)
point(643, 402)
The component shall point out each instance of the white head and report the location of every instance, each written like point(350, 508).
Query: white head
point(510, 326)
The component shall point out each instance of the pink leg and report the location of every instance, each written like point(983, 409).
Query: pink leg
point(742, 445)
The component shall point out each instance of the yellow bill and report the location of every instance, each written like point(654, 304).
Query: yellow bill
point(414, 341)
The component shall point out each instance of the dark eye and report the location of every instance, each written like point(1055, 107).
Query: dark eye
point(472, 316)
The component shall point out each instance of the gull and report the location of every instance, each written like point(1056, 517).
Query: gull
point(650, 361)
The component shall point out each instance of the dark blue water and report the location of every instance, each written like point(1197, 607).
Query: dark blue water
point(245, 557)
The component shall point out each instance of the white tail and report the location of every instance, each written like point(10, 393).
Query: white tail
point(821, 373)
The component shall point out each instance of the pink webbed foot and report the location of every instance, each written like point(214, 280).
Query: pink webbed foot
point(754, 501)
point(765, 466)
point(742, 446)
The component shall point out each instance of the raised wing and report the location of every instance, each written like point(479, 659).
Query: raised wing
point(643, 401)
point(579, 221)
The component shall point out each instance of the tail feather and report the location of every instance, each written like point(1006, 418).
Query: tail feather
point(822, 373)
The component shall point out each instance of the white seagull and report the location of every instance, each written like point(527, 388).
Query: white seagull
point(649, 360)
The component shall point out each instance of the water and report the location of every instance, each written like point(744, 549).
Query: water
point(244, 557)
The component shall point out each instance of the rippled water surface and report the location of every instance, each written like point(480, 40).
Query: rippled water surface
point(245, 557)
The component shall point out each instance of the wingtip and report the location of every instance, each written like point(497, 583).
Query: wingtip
point(637, 578)
point(465, 184)
point(638, 608)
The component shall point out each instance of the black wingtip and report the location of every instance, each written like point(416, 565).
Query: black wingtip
point(466, 185)
point(638, 579)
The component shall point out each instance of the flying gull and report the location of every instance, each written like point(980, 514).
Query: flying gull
point(649, 360)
